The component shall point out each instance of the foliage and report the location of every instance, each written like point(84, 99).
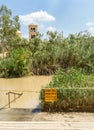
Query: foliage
point(70, 99)
point(69, 78)
point(8, 29)
point(58, 52)
point(47, 55)
point(75, 91)
point(15, 64)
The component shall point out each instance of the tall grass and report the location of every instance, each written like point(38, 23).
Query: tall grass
point(75, 91)
point(73, 78)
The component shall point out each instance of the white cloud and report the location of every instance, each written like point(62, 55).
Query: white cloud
point(41, 26)
point(51, 29)
point(91, 30)
point(90, 24)
point(39, 16)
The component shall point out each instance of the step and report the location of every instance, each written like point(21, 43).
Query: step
point(48, 125)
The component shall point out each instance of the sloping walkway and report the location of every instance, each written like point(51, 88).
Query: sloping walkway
point(29, 100)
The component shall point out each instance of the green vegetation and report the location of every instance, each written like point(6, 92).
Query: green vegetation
point(70, 99)
point(75, 92)
point(71, 78)
point(8, 29)
point(15, 65)
point(45, 56)
point(71, 59)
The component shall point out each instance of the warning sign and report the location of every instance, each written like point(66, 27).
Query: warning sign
point(50, 95)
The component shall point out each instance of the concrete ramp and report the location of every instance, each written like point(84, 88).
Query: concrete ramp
point(29, 100)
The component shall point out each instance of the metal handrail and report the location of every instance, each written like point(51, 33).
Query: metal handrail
point(9, 98)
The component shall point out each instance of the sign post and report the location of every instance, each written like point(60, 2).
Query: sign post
point(50, 95)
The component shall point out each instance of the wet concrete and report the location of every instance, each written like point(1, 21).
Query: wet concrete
point(19, 114)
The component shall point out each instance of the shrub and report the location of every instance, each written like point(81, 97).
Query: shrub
point(75, 92)
point(15, 64)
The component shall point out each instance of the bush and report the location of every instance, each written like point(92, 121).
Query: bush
point(15, 64)
point(67, 78)
point(71, 99)
point(75, 92)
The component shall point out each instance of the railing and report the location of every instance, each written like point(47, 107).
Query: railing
point(12, 96)
point(9, 97)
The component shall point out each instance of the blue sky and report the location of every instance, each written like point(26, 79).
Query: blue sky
point(69, 16)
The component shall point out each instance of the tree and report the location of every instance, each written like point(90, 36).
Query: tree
point(16, 63)
point(55, 37)
point(8, 28)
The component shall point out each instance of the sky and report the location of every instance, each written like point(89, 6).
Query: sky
point(67, 16)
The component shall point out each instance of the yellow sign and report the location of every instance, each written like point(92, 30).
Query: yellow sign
point(50, 95)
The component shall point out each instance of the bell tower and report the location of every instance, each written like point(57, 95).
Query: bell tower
point(32, 30)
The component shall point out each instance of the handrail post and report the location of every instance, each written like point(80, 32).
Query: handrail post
point(14, 97)
point(9, 99)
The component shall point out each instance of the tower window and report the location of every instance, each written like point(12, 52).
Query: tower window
point(32, 29)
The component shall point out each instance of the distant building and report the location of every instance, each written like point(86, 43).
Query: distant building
point(32, 30)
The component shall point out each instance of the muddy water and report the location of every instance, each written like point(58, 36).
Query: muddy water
point(29, 86)
point(25, 83)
